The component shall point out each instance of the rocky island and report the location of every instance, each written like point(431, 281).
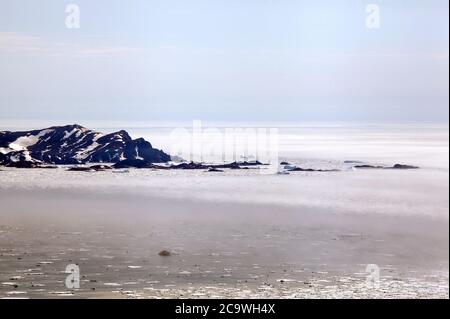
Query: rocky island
point(73, 145)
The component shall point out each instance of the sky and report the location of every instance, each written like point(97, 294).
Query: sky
point(225, 60)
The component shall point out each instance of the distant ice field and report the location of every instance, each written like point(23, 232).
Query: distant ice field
point(426, 145)
point(392, 192)
point(239, 233)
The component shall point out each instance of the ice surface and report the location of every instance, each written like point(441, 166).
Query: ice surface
point(417, 192)
point(238, 233)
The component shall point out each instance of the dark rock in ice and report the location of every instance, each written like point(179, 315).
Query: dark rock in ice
point(190, 165)
point(396, 166)
point(233, 165)
point(93, 168)
point(138, 164)
point(133, 163)
point(240, 165)
point(285, 163)
point(368, 167)
point(300, 169)
point(23, 164)
point(252, 163)
point(164, 253)
point(402, 166)
point(213, 169)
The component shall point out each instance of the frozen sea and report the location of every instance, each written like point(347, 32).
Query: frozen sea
point(238, 233)
point(419, 192)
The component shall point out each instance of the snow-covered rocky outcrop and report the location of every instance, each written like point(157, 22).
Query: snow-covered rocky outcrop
point(73, 144)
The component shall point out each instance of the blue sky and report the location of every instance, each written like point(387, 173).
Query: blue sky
point(284, 60)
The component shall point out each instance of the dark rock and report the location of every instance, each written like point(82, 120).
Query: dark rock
point(402, 166)
point(239, 165)
point(190, 165)
point(137, 163)
point(23, 164)
point(132, 163)
point(396, 166)
point(284, 163)
point(368, 167)
point(93, 168)
point(299, 169)
point(233, 165)
point(213, 169)
point(164, 253)
point(253, 163)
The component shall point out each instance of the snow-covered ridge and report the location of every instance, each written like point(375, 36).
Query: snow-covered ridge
point(73, 144)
